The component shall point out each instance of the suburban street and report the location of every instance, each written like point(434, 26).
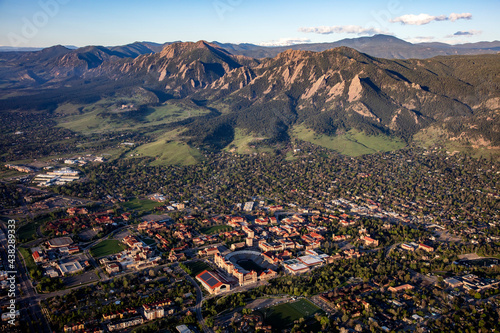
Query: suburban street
point(199, 300)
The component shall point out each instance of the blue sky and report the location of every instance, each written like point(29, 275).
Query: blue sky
point(40, 23)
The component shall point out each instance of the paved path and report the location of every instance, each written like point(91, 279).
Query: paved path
point(199, 300)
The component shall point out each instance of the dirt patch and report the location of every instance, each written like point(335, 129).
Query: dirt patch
point(469, 256)
point(266, 302)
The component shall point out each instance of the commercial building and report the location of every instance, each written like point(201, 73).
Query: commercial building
point(213, 282)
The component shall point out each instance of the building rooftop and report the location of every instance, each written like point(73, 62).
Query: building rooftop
point(210, 279)
point(310, 260)
point(60, 242)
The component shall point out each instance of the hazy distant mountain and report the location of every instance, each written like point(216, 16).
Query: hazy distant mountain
point(28, 49)
point(135, 49)
point(329, 92)
point(382, 46)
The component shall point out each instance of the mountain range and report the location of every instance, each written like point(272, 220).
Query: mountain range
point(382, 46)
point(329, 92)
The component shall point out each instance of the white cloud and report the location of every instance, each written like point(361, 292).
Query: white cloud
point(468, 33)
point(343, 29)
point(285, 42)
point(464, 16)
point(421, 19)
point(421, 39)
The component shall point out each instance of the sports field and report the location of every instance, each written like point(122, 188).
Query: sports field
point(216, 229)
point(284, 314)
point(106, 248)
point(196, 267)
point(141, 204)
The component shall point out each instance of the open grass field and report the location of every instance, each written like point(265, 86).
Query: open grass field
point(283, 314)
point(140, 204)
point(352, 143)
point(215, 229)
point(196, 267)
point(242, 143)
point(169, 150)
point(106, 248)
point(432, 136)
point(168, 113)
point(105, 115)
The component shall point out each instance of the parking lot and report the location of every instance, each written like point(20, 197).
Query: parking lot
point(86, 277)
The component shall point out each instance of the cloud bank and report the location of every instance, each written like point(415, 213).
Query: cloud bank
point(285, 42)
point(422, 19)
point(342, 29)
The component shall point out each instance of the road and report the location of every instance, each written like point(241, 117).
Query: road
point(28, 303)
point(199, 300)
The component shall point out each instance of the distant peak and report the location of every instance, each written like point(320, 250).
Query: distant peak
point(176, 49)
point(291, 53)
point(56, 47)
point(202, 43)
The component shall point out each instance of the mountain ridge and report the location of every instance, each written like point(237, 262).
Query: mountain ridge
point(329, 92)
point(382, 46)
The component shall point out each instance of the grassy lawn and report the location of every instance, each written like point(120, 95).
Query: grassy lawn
point(148, 241)
point(352, 143)
point(196, 267)
point(169, 150)
point(106, 248)
point(27, 231)
point(216, 229)
point(140, 204)
point(284, 314)
point(28, 259)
